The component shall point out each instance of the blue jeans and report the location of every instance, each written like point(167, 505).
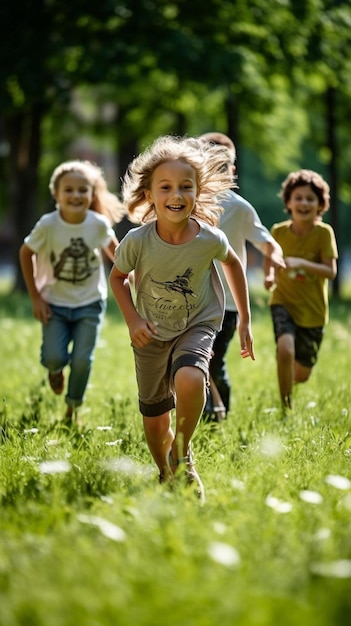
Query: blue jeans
point(70, 338)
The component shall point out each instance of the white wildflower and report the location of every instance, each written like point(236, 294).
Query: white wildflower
point(219, 528)
point(54, 467)
point(106, 528)
point(223, 553)
point(270, 445)
point(278, 505)
point(339, 482)
point(312, 497)
point(238, 484)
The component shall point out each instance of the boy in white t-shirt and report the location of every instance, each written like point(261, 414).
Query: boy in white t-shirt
point(241, 223)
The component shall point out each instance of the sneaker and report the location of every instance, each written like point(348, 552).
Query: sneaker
point(56, 380)
point(193, 479)
point(217, 415)
point(212, 413)
point(71, 417)
point(287, 402)
point(190, 474)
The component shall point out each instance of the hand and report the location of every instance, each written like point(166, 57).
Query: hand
point(269, 282)
point(142, 332)
point(246, 341)
point(293, 262)
point(277, 260)
point(41, 310)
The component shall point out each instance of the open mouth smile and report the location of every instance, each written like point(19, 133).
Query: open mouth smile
point(175, 207)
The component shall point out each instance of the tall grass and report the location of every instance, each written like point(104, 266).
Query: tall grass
point(89, 538)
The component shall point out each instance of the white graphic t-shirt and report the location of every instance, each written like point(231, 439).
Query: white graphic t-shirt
point(69, 266)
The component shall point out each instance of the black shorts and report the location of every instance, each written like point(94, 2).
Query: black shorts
point(307, 340)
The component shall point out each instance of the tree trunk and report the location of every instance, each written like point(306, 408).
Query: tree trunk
point(127, 148)
point(23, 131)
point(232, 113)
point(333, 172)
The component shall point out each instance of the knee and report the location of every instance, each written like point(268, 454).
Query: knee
point(53, 362)
point(286, 349)
point(190, 379)
point(157, 426)
point(81, 363)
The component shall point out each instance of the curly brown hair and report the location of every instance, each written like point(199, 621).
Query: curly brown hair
point(306, 177)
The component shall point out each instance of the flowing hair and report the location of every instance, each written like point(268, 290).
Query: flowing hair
point(209, 161)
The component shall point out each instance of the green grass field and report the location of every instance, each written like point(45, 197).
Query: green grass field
point(89, 538)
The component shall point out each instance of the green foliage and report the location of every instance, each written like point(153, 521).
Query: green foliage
point(89, 537)
point(256, 70)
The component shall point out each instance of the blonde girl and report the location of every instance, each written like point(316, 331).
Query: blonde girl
point(179, 300)
point(62, 265)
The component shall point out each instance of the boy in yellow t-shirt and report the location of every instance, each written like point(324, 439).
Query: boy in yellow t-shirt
point(299, 300)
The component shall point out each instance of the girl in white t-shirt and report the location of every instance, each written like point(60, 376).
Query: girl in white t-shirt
point(62, 265)
point(178, 301)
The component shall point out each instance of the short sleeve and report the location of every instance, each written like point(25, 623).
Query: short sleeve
point(126, 254)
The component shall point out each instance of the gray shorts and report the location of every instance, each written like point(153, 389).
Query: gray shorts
point(307, 340)
point(157, 363)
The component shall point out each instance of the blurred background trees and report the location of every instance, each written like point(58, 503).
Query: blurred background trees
point(100, 82)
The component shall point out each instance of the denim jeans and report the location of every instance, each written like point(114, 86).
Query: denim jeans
point(218, 368)
point(69, 338)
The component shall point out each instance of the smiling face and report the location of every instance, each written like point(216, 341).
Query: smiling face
point(173, 191)
point(74, 194)
point(303, 204)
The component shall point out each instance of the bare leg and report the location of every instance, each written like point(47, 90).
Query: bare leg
point(217, 402)
point(302, 373)
point(190, 392)
point(159, 437)
point(285, 366)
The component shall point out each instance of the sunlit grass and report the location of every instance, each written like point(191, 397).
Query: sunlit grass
point(88, 537)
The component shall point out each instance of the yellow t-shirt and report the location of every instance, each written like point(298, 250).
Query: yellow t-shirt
point(304, 295)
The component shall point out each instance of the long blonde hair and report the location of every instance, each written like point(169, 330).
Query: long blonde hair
point(208, 160)
point(104, 201)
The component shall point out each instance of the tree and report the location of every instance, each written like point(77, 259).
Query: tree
point(46, 48)
point(163, 63)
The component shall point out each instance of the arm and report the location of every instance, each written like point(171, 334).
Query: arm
point(269, 273)
point(272, 260)
point(237, 282)
point(260, 237)
point(141, 331)
point(325, 269)
point(273, 253)
point(110, 249)
point(41, 308)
